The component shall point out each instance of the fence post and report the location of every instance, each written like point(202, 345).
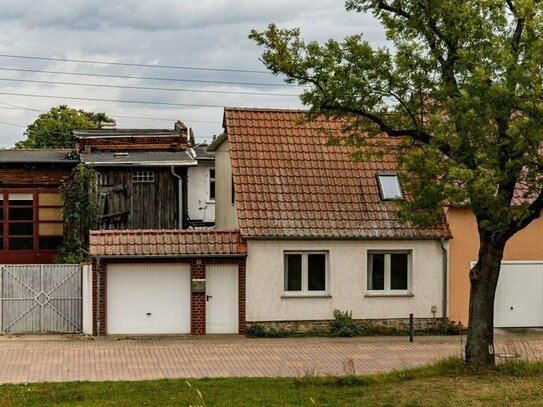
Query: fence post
point(411, 328)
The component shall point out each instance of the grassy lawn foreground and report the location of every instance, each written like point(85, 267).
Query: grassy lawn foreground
point(447, 383)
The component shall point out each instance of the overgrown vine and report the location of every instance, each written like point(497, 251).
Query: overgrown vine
point(80, 212)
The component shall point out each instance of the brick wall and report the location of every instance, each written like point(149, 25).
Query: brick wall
point(198, 303)
point(34, 177)
point(198, 300)
point(241, 301)
point(99, 303)
point(128, 143)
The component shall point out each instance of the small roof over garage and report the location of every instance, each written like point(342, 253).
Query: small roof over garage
point(166, 243)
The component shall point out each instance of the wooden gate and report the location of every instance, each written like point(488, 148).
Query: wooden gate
point(41, 298)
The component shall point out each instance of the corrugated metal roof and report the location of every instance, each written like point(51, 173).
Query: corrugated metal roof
point(38, 156)
point(288, 183)
point(144, 158)
point(166, 243)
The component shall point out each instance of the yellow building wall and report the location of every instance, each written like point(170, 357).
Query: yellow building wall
point(463, 247)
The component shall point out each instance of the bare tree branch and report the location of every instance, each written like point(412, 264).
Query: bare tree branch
point(416, 134)
point(383, 5)
point(533, 212)
point(511, 6)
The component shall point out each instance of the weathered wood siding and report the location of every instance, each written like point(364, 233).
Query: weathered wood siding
point(138, 205)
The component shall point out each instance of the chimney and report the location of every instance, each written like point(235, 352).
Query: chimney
point(108, 125)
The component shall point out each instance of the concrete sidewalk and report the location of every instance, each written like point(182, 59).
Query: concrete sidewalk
point(40, 359)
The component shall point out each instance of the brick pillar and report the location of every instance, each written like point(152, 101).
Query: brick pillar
point(99, 275)
point(198, 303)
point(241, 296)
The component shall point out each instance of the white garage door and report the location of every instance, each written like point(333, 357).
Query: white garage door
point(148, 298)
point(519, 296)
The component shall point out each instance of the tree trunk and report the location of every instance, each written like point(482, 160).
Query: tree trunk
point(484, 279)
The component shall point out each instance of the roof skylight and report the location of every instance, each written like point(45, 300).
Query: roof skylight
point(389, 186)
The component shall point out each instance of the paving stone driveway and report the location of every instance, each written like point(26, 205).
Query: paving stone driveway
point(39, 359)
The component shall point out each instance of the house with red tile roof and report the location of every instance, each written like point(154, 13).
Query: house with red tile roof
point(321, 230)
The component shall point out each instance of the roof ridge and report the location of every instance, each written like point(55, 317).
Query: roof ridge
point(264, 109)
point(38, 149)
point(160, 231)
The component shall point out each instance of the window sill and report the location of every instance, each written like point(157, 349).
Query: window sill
point(306, 296)
point(389, 294)
point(211, 201)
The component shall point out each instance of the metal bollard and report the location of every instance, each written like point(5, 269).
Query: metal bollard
point(411, 328)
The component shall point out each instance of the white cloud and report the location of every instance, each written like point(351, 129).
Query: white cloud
point(210, 33)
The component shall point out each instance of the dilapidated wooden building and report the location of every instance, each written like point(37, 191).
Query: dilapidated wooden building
point(142, 175)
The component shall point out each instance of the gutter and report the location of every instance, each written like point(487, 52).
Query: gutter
point(142, 163)
point(445, 266)
point(387, 238)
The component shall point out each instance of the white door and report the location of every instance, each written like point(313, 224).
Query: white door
point(148, 298)
point(222, 299)
point(519, 295)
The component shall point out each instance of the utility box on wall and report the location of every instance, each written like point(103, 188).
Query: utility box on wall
point(198, 285)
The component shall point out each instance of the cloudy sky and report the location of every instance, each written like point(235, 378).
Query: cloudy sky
point(177, 33)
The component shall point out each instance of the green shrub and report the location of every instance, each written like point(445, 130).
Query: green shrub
point(260, 331)
point(445, 327)
point(343, 324)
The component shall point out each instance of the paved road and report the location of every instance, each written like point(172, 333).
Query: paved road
point(38, 359)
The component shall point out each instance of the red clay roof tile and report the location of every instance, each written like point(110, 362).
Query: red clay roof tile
point(289, 183)
point(165, 243)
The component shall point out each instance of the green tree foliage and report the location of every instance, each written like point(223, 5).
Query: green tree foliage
point(461, 89)
point(80, 211)
point(52, 129)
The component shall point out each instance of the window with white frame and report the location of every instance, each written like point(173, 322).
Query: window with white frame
point(212, 184)
point(389, 186)
point(143, 176)
point(306, 272)
point(389, 272)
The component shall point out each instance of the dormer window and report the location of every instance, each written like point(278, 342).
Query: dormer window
point(389, 186)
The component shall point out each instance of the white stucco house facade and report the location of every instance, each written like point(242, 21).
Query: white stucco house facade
point(321, 230)
point(201, 189)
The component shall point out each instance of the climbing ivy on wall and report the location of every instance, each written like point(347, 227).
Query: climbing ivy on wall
point(80, 212)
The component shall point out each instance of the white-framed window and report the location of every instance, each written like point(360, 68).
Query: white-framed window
point(306, 272)
point(143, 176)
point(212, 184)
point(389, 186)
point(389, 272)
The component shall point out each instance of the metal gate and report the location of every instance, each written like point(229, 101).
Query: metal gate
point(41, 298)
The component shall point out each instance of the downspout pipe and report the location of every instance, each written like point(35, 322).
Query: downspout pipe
point(98, 299)
point(445, 267)
point(179, 196)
